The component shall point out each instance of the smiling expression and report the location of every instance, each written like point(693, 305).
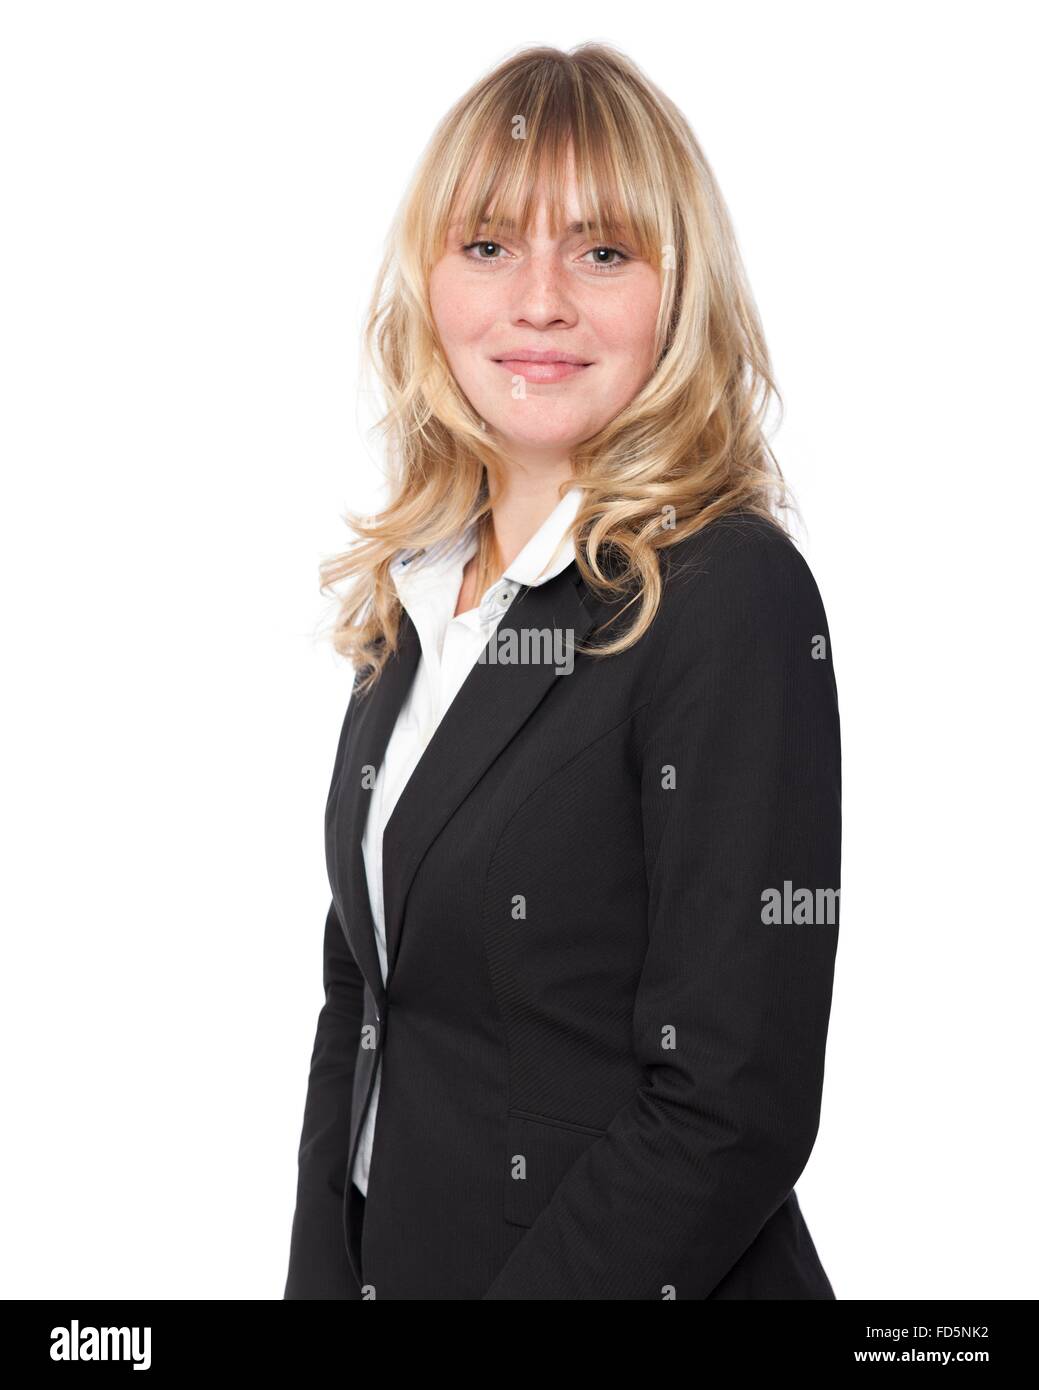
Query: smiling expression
point(548, 337)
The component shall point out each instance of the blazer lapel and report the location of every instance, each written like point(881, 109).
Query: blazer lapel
point(492, 704)
point(369, 734)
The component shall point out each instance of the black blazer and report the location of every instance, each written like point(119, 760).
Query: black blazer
point(604, 1024)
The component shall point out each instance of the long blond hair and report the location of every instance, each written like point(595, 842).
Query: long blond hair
point(687, 449)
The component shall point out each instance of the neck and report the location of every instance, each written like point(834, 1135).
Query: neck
point(524, 500)
point(526, 497)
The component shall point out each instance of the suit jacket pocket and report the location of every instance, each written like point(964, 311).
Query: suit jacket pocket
point(540, 1153)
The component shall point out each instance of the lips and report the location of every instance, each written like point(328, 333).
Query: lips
point(544, 365)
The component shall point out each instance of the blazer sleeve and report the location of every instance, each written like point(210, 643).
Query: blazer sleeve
point(741, 800)
point(318, 1263)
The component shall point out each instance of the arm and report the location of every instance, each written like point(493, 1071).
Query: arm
point(731, 1014)
point(318, 1264)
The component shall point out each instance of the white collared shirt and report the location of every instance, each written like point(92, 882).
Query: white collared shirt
point(428, 583)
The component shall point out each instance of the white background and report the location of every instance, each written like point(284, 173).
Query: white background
point(195, 196)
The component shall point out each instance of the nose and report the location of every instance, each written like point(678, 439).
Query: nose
point(540, 292)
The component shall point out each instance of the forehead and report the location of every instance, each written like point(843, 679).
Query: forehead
point(515, 192)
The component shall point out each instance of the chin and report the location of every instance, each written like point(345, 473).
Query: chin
point(550, 442)
point(547, 434)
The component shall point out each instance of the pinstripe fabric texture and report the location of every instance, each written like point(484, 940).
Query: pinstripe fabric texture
point(611, 912)
point(428, 589)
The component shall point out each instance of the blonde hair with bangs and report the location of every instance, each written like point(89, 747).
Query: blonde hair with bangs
point(687, 449)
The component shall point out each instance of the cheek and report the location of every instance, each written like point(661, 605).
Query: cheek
point(460, 316)
point(628, 330)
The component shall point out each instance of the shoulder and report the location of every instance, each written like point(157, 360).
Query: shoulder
point(737, 562)
point(738, 599)
point(742, 639)
point(741, 545)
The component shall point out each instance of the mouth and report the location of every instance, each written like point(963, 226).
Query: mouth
point(546, 366)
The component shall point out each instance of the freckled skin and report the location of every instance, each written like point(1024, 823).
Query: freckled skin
point(545, 293)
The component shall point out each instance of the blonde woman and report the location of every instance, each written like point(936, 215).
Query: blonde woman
point(583, 828)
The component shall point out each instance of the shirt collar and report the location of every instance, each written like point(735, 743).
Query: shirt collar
point(419, 574)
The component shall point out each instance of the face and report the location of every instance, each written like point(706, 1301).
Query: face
point(549, 338)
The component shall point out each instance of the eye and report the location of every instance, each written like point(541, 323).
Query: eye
point(483, 246)
point(597, 251)
point(609, 251)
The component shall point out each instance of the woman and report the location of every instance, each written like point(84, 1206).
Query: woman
point(583, 828)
